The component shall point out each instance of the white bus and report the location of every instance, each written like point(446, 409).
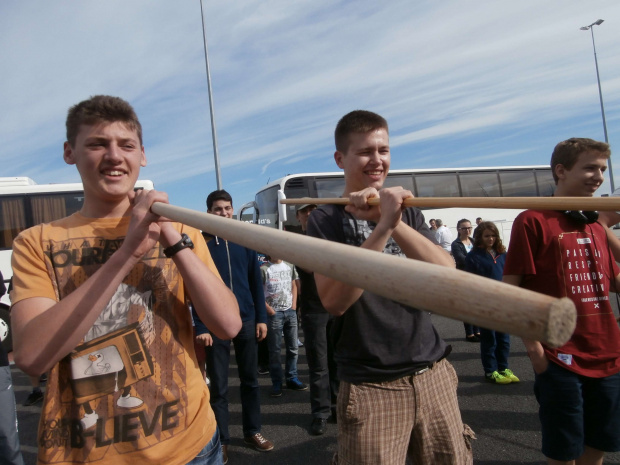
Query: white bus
point(24, 203)
point(504, 181)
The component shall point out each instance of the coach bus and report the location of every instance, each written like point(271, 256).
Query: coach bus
point(24, 203)
point(504, 181)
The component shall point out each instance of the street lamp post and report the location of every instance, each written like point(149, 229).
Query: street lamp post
point(600, 95)
point(216, 156)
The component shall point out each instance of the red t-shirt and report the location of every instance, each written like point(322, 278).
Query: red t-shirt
point(561, 258)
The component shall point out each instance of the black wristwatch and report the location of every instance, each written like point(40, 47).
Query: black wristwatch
point(184, 243)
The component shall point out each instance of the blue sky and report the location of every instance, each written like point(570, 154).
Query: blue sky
point(462, 83)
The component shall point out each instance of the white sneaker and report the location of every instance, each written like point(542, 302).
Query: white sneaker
point(89, 420)
point(129, 402)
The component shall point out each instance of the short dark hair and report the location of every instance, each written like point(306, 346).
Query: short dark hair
point(100, 108)
point(218, 195)
point(357, 121)
point(567, 152)
point(460, 222)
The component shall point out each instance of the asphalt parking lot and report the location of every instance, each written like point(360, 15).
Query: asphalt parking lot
point(504, 418)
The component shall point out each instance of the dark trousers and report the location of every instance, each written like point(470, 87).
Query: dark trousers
point(263, 353)
point(470, 329)
point(320, 355)
point(9, 439)
point(218, 360)
point(494, 350)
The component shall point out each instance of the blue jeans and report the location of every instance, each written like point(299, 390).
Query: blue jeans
point(494, 350)
point(287, 321)
point(218, 361)
point(211, 454)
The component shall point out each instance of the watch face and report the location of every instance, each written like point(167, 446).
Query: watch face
point(187, 242)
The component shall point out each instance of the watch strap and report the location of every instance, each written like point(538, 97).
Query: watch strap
point(184, 243)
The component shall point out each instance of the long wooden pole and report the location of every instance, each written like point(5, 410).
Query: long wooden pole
point(535, 203)
point(445, 291)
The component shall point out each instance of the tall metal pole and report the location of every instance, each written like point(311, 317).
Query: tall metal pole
point(600, 95)
point(218, 176)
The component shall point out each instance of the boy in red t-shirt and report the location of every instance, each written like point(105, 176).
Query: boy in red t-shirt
point(566, 254)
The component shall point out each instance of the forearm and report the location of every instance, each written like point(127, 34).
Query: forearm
point(215, 304)
point(534, 348)
point(414, 245)
point(337, 296)
point(294, 291)
point(45, 331)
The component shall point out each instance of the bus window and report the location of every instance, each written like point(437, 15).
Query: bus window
point(23, 211)
point(546, 184)
point(329, 187)
point(267, 207)
point(291, 224)
point(12, 221)
point(404, 181)
point(50, 207)
point(479, 184)
point(518, 183)
point(437, 185)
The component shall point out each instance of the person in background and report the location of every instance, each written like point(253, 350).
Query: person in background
point(432, 225)
point(443, 235)
point(281, 298)
point(478, 221)
point(461, 246)
point(10, 453)
point(238, 267)
point(317, 324)
point(487, 259)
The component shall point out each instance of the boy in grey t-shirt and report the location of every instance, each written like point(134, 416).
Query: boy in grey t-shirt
point(281, 298)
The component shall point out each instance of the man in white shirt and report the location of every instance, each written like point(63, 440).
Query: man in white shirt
point(443, 236)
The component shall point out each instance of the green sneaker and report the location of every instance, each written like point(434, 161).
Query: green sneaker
point(510, 375)
point(497, 378)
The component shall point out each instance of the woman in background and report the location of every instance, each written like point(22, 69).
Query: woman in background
point(487, 259)
point(460, 248)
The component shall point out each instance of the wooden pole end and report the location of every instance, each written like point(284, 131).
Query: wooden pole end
point(562, 322)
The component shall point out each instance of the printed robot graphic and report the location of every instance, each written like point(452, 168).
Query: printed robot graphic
point(101, 367)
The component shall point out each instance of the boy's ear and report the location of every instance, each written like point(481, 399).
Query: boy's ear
point(560, 171)
point(143, 158)
point(68, 154)
point(338, 158)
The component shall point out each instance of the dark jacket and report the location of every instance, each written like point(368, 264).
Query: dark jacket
point(239, 268)
point(480, 262)
point(459, 252)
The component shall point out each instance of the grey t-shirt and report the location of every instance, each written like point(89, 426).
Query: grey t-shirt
point(377, 339)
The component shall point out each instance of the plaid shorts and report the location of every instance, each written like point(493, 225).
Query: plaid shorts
point(415, 417)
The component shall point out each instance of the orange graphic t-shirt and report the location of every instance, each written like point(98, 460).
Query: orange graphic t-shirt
point(131, 391)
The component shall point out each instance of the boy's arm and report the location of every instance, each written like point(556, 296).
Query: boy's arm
point(294, 292)
point(535, 350)
point(214, 303)
point(256, 288)
point(45, 331)
point(336, 296)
